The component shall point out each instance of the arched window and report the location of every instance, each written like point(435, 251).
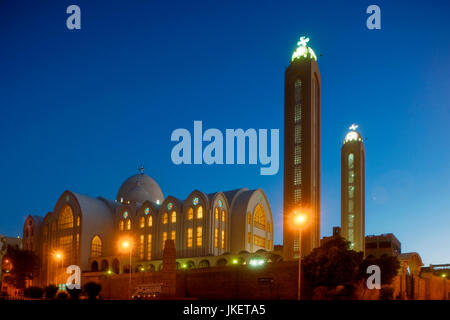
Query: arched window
point(128, 224)
point(173, 217)
point(149, 221)
point(224, 215)
point(163, 240)
point(217, 213)
point(121, 225)
point(65, 219)
point(199, 212)
point(142, 222)
point(190, 214)
point(350, 160)
point(199, 237)
point(189, 237)
point(165, 218)
point(260, 217)
point(96, 247)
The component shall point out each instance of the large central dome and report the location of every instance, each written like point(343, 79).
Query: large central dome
point(140, 188)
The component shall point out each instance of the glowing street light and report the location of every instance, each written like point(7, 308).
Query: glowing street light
point(300, 220)
point(126, 245)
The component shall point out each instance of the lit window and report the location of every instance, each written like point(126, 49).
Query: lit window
point(297, 176)
point(259, 217)
point(65, 219)
point(164, 238)
point(297, 154)
point(190, 214)
point(298, 100)
point(141, 248)
point(224, 215)
point(78, 221)
point(65, 245)
point(128, 224)
point(172, 235)
point(297, 195)
point(199, 212)
point(351, 176)
point(350, 206)
point(96, 247)
point(173, 217)
point(147, 211)
point(217, 213)
point(189, 238)
point(165, 218)
point(351, 191)
point(216, 237)
point(223, 239)
point(149, 221)
point(199, 238)
point(297, 134)
point(121, 225)
point(169, 206)
point(259, 241)
point(142, 222)
point(125, 214)
point(350, 160)
point(149, 247)
point(195, 201)
point(296, 244)
point(249, 218)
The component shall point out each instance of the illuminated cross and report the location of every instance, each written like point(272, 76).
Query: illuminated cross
point(303, 41)
point(353, 127)
point(141, 169)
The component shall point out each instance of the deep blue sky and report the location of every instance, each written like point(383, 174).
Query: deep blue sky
point(81, 109)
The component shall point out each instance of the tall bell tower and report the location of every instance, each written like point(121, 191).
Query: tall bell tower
point(301, 150)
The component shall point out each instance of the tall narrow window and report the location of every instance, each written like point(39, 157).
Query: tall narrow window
point(249, 218)
point(223, 239)
point(259, 241)
point(149, 247)
point(217, 213)
point(199, 212)
point(172, 235)
point(141, 247)
point(351, 191)
point(173, 217)
point(149, 221)
point(121, 225)
point(350, 160)
point(199, 237)
point(164, 238)
point(297, 195)
point(189, 238)
point(224, 215)
point(65, 219)
point(128, 224)
point(165, 218)
point(297, 134)
point(96, 247)
point(216, 237)
point(259, 217)
point(190, 214)
point(297, 154)
point(142, 222)
point(297, 176)
point(298, 100)
point(351, 176)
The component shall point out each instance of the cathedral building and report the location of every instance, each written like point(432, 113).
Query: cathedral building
point(102, 235)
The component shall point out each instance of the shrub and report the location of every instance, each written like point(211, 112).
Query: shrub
point(74, 293)
point(62, 295)
point(387, 293)
point(92, 289)
point(33, 292)
point(50, 291)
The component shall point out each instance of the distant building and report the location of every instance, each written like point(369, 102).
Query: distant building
point(384, 244)
point(336, 232)
point(301, 150)
point(352, 189)
point(5, 244)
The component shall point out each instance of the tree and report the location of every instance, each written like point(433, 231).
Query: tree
point(33, 292)
point(74, 293)
point(92, 289)
point(332, 264)
point(50, 291)
point(23, 263)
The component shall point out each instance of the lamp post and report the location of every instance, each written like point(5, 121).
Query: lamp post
point(58, 257)
point(444, 275)
point(300, 220)
point(126, 244)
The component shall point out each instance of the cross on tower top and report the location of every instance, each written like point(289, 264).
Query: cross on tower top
point(353, 127)
point(141, 169)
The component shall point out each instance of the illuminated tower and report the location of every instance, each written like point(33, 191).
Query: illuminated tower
point(352, 189)
point(301, 150)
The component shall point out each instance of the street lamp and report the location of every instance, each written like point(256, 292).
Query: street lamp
point(58, 257)
point(444, 275)
point(300, 221)
point(127, 246)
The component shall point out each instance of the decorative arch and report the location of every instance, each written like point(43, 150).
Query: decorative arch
point(259, 217)
point(115, 266)
point(96, 247)
point(222, 262)
point(104, 265)
point(65, 218)
point(94, 266)
point(203, 264)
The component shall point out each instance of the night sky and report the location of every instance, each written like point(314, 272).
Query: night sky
point(80, 110)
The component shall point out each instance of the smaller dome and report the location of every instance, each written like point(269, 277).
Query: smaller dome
point(352, 136)
point(140, 188)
